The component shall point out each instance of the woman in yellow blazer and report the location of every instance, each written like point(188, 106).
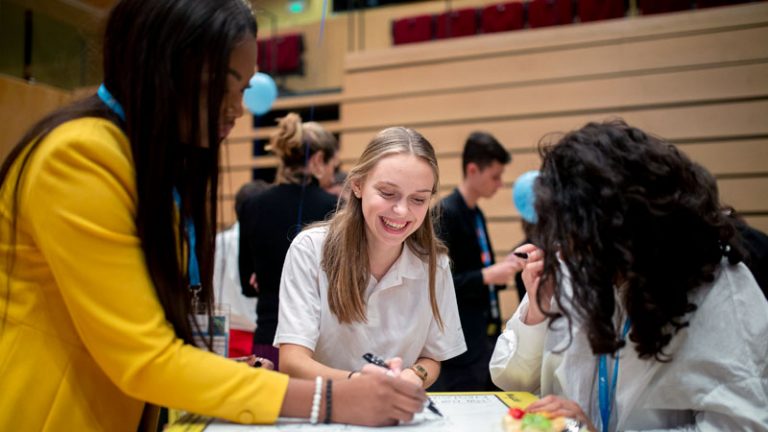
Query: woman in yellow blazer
point(97, 258)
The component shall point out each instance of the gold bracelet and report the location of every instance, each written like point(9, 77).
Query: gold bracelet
point(420, 371)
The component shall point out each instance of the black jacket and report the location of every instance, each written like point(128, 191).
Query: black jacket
point(268, 223)
point(457, 230)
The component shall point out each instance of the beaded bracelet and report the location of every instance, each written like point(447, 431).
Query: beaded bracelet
point(316, 401)
point(328, 397)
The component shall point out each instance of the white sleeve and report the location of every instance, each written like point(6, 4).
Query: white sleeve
point(516, 361)
point(687, 428)
point(298, 321)
point(449, 342)
point(730, 406)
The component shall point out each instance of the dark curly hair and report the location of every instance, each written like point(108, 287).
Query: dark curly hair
point(622, 208)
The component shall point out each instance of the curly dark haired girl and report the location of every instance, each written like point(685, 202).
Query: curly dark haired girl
point(632, 211)
point(631, 244)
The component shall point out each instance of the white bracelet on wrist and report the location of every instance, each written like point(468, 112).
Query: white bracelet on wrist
point(315, 414)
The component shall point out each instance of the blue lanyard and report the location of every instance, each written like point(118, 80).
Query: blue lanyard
point(110, 101)
point(189, 227)
point(189, 224)
point(485, 257)
point(606, 399)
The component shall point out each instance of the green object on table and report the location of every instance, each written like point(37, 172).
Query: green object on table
point(536, 422)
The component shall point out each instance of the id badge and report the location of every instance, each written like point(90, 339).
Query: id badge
point(217, 327)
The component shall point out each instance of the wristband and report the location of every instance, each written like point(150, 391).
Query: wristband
point(420, 371)
point(328, 399)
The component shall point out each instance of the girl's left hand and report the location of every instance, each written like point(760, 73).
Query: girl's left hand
point(561, 407)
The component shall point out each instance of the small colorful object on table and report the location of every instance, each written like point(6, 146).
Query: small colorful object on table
point(517, 420)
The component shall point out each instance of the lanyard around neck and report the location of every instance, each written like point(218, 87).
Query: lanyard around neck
point(189, 223)
point(606, 398)
point(485, 257)
point(110, 101)
point(189, 227)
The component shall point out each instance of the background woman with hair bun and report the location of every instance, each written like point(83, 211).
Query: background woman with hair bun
point(272, 219)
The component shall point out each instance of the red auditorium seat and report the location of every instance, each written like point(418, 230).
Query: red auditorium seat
point(412, 29)
point(596, 10)
point(462, 22)
point(502, 17)
point(650, 7)
point(285, 51)
point(544, 13)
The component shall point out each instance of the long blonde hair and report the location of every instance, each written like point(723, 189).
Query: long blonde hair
point(289, 142)
point(347, 268)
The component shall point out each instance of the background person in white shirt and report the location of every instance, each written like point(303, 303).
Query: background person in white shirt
point(226, 278)
point(374, 278)
point(636, 259)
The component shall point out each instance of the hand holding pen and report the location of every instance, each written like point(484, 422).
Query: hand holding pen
point(378, 361)
point(257, 362)
point(532, 273)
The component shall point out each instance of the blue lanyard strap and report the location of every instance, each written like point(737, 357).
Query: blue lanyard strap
point(189, 227)
point(485, 257)
point(110, 101)
point(605, 397)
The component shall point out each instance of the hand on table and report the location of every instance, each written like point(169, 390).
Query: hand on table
point(561, 407)
point(375, 399)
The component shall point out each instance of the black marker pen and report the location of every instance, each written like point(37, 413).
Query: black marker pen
point(378, 361)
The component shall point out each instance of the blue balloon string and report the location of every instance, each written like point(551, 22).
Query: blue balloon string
point(322, 23)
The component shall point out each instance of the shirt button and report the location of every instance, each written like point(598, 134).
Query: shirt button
point(245, 417)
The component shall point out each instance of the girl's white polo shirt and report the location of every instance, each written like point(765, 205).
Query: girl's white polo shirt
point(400, 321)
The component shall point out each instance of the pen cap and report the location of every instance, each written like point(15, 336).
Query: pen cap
point(374, 359)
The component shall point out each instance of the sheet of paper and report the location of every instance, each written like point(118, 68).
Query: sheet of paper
point(463, 412)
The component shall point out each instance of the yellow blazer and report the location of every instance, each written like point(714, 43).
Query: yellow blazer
point(85, 342)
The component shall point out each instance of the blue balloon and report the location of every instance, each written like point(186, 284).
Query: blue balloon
point(524, 197)
point(261, 95)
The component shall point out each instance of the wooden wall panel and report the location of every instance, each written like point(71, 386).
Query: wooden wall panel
point(745, 194)
point(513, 67)
point(226, 212)
point(758, 222)
point(748, 156)
point(505, 236)
point(237, 154)
point(230, 181)
point(451, 174)
point(698, 79)
point(696, 122)
point(22, 105)
point(656, 90)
